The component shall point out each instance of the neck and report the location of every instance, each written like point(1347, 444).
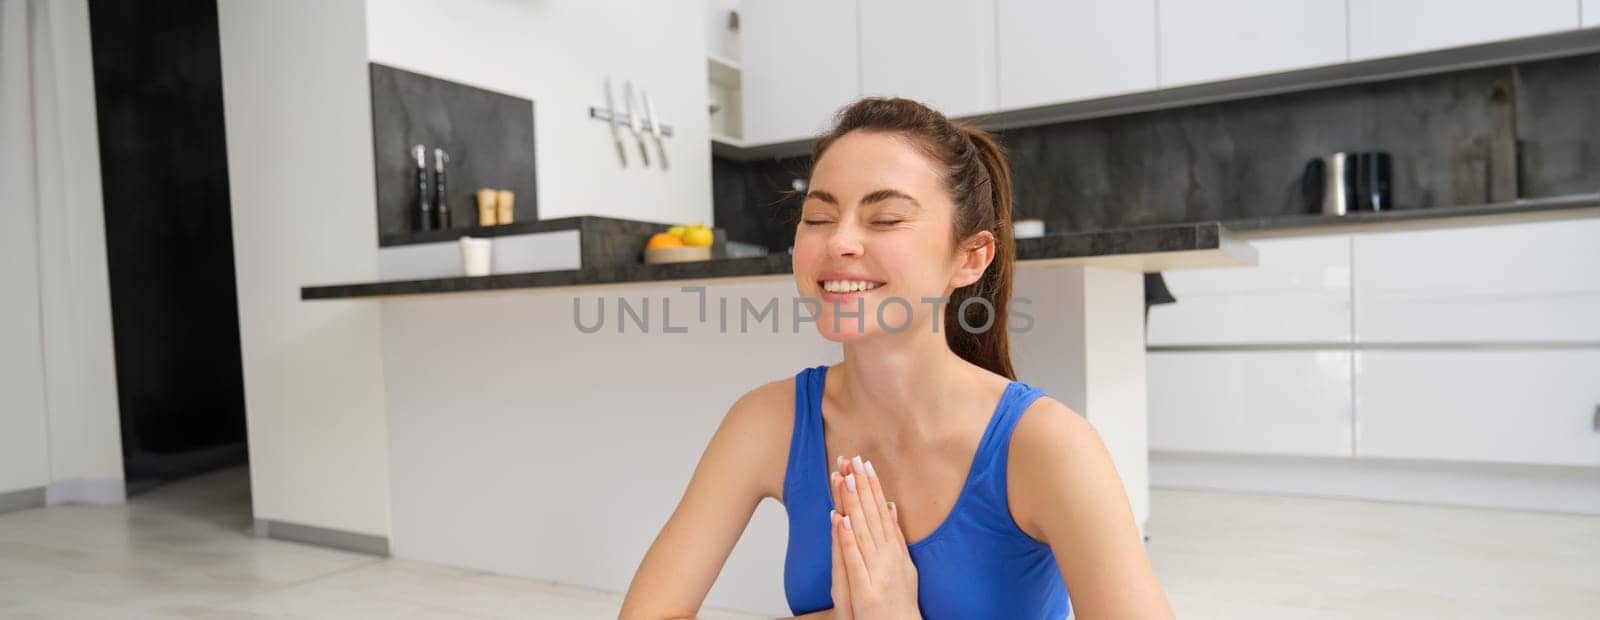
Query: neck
point(904, 385)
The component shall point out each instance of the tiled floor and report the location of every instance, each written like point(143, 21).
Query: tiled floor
point(185, 550)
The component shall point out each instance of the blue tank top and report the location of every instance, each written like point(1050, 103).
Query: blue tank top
point(976, 564)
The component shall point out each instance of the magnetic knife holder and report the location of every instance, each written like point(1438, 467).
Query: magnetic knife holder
point(645, 127)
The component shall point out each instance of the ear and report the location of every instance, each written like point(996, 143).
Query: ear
point(977, 252)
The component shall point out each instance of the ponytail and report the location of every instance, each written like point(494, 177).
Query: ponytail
point(990, 348)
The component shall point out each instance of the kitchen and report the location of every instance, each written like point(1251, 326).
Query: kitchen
point(1332, 343)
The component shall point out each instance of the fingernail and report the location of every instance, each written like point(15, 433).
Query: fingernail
point(846, 521)
point(871, 473)
point(850, 481)
point(894, 512)
point(838, 463)
point(856, 463)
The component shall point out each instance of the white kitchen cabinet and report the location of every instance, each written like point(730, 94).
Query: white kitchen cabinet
point(1298, 292)
point(1208, 40)
point(1534, 406)
point(1591, 13)
point(1052, 51)
point(1250, 402)
point(1529, 282)
point(1391, 27)
point(801, 65)
point(939, 52)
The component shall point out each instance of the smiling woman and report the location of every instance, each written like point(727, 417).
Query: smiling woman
point(968, 493)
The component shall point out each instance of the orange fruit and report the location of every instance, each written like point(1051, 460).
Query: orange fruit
point(663, 240)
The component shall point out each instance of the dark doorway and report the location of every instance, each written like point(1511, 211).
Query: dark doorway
point(169, 238)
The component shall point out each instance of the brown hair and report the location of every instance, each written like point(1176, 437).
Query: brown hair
point(979, 183)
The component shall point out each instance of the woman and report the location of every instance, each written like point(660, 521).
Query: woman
point(973, 495)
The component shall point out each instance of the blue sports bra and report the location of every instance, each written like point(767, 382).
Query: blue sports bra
point(976, 564)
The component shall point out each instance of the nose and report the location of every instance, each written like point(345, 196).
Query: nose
point(845, 240)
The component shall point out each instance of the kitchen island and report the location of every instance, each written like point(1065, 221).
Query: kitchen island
point(538, 429)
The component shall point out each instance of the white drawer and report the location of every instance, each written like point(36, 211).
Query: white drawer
point(1489, 406)
point(1298, 292)
point(1516, 282)
point(1250, 402)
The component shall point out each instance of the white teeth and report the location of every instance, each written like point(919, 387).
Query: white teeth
point(847, 286)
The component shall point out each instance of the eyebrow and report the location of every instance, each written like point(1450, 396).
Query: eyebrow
point(874, 197)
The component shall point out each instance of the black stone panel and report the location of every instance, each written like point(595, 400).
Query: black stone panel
point(756, 201)
point(1558, 124)
point(488, 136)
point(1471, 137)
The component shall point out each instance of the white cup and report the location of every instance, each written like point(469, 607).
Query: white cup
point(1024, 229)
point(475, 256)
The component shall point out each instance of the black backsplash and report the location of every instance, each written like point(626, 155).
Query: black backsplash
point(488, 136)
point(1468, 137)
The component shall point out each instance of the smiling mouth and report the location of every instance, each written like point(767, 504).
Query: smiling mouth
point(845, 287)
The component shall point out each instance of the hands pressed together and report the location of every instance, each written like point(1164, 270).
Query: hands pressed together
point(873, 576)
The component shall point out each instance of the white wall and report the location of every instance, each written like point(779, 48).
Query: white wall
point(719, 39)
point(24, 451)
point(60, 424)
point(299, 131)
point(558, 55)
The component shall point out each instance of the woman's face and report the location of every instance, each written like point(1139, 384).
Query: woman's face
point(875, 228)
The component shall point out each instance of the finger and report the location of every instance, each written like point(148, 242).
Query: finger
point(894, 517)
point(856, 573)
point(872, 510)
point(886, 523)
point(841, 588)
point(835, 488)
point(855, 509)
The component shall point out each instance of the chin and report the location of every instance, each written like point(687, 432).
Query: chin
point(852, 329)
point(847, 330)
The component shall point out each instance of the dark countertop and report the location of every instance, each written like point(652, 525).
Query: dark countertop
point(615, 262)
point(1174, 240)
point(1317, 224)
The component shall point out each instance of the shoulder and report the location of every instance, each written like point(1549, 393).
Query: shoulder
point(770, 404)
point(1048, 426)
point(1057, 459)
point(757, 428)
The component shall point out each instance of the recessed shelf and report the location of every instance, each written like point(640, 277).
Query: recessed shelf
point(723, 72)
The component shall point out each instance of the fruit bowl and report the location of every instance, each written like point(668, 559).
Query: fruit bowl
point(679, 254)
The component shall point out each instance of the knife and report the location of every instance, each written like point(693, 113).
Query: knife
point(616, 123)
point(655, 127)
point(633, 122)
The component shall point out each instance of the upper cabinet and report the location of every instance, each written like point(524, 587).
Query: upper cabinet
point(1052, 51)
point(801, 64)
point(1205, 40)
point(805, 59)
point(1389, 27)
point(939, 52)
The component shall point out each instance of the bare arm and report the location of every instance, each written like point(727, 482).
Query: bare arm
point(737, 471)
point(1067, 489)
